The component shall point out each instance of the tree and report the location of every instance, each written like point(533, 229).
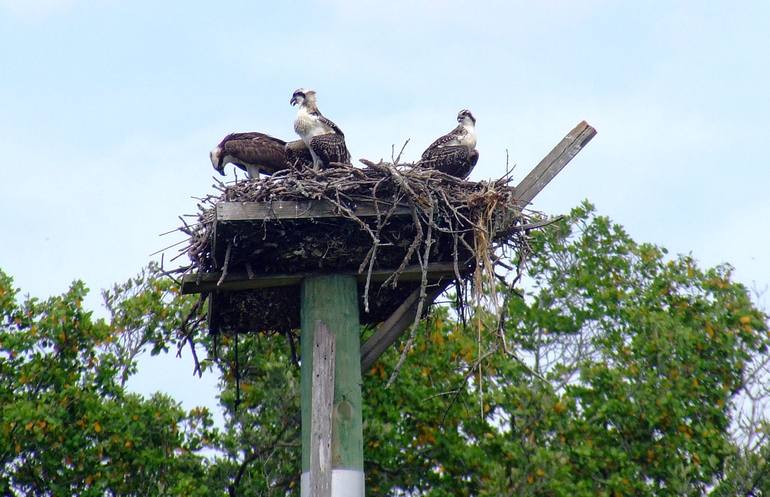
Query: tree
point(649, 353)
point(747, 471)
point(257, 452)
point(67, 425)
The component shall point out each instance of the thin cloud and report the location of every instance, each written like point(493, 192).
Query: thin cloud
point(402, 14)
point(35, 8)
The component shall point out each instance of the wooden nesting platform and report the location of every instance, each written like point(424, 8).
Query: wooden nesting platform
point(260, 251)
point(267, 249)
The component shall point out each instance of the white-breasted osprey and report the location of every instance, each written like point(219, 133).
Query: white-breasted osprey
point(325, 140)
point(258, 153)
point(454, 153)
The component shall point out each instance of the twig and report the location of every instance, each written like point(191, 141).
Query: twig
point(188, 330)
point(398, 158)
point(227, 263)
point(420, 303)
point(166, 248)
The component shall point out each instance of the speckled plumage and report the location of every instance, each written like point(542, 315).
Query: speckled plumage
point(330, 148)
point(455, 152)
point(454, 160)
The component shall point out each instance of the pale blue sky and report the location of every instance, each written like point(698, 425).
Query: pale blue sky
point(108, 109)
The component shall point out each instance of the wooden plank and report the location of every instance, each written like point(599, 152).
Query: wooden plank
point(402, 318)
point(193, 283)
point(288, 209)
point(390, 329)
point(321, 411)
point(553, 163)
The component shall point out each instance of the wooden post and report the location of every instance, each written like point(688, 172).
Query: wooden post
point(554, 162)
point(329, 306)
point(322, 395)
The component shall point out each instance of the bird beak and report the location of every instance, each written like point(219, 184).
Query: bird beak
point(214, 156)
point(293, 100)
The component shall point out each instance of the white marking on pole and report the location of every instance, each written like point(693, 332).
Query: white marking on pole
point(345, 483)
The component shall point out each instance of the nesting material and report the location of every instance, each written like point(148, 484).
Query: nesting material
point(396, 228)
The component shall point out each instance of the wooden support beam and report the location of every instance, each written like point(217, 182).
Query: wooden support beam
point(402, 318)
point(390, 329)
point(290, 209)
point(206, 282)
point(553, 163)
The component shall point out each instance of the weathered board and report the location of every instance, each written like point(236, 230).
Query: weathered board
point(554, 162)
point(402, 318)
point(289, 209)
point(322, 393)
point(208, 282)
point(331, 300)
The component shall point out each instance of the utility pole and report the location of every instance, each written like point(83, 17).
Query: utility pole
point(331, 349)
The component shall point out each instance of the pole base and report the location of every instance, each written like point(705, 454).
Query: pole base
point(345, 483)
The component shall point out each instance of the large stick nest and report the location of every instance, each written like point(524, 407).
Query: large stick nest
point(464, 223)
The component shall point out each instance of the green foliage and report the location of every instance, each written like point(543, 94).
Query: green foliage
point(645, 354)
point(426, 432)
point(259, 451)
point(636, 359)
point(747, 472)
point(67, 426)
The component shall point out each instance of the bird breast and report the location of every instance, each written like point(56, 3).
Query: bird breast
point(307, 125)
point(468, 138)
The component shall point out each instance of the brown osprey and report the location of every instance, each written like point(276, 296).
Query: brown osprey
point(454, 153)
point(324, 139)
point(258, 153)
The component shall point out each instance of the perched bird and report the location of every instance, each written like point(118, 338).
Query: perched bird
point(324, 139)
point(454, 153)
point(258, 153)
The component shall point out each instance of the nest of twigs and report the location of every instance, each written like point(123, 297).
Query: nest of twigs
point(421, 217)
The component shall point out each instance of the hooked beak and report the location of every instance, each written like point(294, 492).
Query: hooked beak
point(214, 156)
point(293, 100)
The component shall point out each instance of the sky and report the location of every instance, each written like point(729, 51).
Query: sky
point(108, 109)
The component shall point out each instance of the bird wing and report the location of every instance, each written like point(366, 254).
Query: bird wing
point(330, 148)
point(251, 135)
point(454, 160)
point(453, 135)
point(257, 149)
point(298, 155)
point(328, 122)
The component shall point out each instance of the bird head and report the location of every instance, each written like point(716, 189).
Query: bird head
point(216, 160)
point(301, 95)
point(465, 117)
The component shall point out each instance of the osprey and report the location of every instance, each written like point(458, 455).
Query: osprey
point(454, 153)
point(324, 139)
point(258, 153)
